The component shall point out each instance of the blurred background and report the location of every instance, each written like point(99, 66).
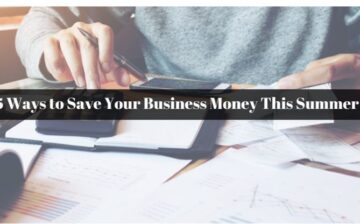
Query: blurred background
point(11, 68)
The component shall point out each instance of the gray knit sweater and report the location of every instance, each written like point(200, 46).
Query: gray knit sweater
point(232, 44)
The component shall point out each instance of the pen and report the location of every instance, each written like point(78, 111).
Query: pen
point(120, 59)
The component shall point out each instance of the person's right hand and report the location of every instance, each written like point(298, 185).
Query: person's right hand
point(70, 56)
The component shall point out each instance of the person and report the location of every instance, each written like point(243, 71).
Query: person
point(299, 46)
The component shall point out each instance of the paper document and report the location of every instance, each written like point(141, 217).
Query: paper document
point(68, 185)
point(276, 151)
point(323, 146)
point(298, 194)
point(27, 130)
point(193, 196)
point(154, 133)
point(242, 132)
point(357, 146)
point(350, 137)
point(229, 189)
point(287, 124)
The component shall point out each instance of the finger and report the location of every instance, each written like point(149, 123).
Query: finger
point(329, 60)
point(347, 66)
point(54, 61)
point(105, 37)
point(323, 61)
point(102, 76)
point(89, 58)
point(120, 75)
point(72, 57)
point(306, 78)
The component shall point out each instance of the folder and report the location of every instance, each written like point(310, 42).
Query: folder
point(186, 139)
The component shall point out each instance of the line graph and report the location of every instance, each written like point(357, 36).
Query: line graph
point(265, 207)
point(54, 192)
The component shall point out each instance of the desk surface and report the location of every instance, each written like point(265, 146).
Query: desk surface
point(39, 84)
point(12, 22)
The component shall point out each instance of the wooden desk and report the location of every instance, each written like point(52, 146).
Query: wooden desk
point(11, 22)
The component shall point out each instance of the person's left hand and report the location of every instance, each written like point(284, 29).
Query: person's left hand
point(343, 70)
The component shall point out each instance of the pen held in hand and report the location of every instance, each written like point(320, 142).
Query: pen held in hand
point(121, 60)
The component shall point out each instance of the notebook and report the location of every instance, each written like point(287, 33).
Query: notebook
point(178, 138)
point(25, 154)
point(16, 161)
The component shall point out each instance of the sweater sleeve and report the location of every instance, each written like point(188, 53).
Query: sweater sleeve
point(352, 21)
point(41, 22)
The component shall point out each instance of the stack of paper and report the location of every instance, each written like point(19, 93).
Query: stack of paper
point(191, 196)
point(268, 146)
point(68, 185)
point(243, 132)
point(287, 124)
point(277, 151)
point(323, 146)
point(298, 194)
point(230, 189)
